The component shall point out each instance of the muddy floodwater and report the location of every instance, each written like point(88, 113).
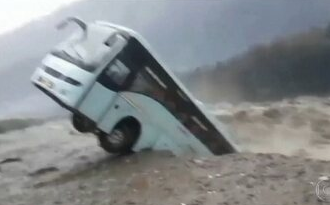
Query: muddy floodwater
point(286, 152)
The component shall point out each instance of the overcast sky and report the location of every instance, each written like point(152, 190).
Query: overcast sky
point(185, 33)
point(14, 13)
point(201, 31)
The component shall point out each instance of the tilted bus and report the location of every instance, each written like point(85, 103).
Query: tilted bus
point(116, 87)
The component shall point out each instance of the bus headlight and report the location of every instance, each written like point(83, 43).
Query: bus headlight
point(49, 84)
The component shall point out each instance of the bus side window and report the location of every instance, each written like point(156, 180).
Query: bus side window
point(117, 72)
point(144, 84)
point(177, 106)
point(140, 84)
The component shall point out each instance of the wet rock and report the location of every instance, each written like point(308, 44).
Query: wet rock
point(82, 187)
point(319, 141)
point(11, 160)
point(222, 190)
point(43, 171)
point(320, 125)
point(198, 161)
point(251, 195)
point(139, 183)
point(241, 115)
point(84, 158)
point(72, 132)
point(217, 175)
point(249, 186)
point(38, 185)
point(272, 113)
point(300, 153)
point(326, 136)
point(169, 189)
point(130, 202)
point(203, 185)
point(297, 121)
point(199, 201)
point(301, 172)
point(210, 176)
point(272, 187)
point(308, 197)
point(156, 171)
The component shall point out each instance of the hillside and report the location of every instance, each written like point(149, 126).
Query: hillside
point(185, 35)
point(289, 67)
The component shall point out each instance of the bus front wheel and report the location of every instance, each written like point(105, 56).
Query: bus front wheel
point(121, 139)
point(81, 123)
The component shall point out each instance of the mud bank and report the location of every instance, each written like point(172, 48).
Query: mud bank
point(53, 164)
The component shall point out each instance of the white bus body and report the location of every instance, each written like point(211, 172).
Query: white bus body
point(115, 86)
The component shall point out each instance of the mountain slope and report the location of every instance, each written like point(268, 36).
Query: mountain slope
point(290, 67)
point(185, 35)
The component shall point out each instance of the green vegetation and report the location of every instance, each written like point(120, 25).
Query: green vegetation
point(298, 65)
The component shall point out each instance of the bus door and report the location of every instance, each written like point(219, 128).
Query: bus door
point(115, 77)
point(104, 91)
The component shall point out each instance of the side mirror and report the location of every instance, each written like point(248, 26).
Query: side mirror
point(63, 24)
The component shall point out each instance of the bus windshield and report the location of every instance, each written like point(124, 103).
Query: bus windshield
point(63, 54)
point(87, 53)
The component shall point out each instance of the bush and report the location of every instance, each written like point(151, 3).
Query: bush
point(298, 65)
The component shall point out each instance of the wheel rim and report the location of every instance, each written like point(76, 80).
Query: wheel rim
point(116, 137)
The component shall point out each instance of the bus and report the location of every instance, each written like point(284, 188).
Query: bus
point(116, 87)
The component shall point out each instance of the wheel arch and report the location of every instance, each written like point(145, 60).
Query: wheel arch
point(132, 123)
point(134, 127)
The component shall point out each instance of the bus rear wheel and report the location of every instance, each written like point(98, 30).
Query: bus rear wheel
point(120, 140)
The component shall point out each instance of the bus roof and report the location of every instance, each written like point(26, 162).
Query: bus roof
point(127, 32)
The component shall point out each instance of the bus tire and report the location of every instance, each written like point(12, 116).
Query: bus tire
point(122, 137)
point(80, 123)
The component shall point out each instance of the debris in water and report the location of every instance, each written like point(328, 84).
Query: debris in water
point(130, 202)
point(211, 192)
point(44, 171)
point(218, 175)
point(10, 160)
point(198, 161)
point(323, 178)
